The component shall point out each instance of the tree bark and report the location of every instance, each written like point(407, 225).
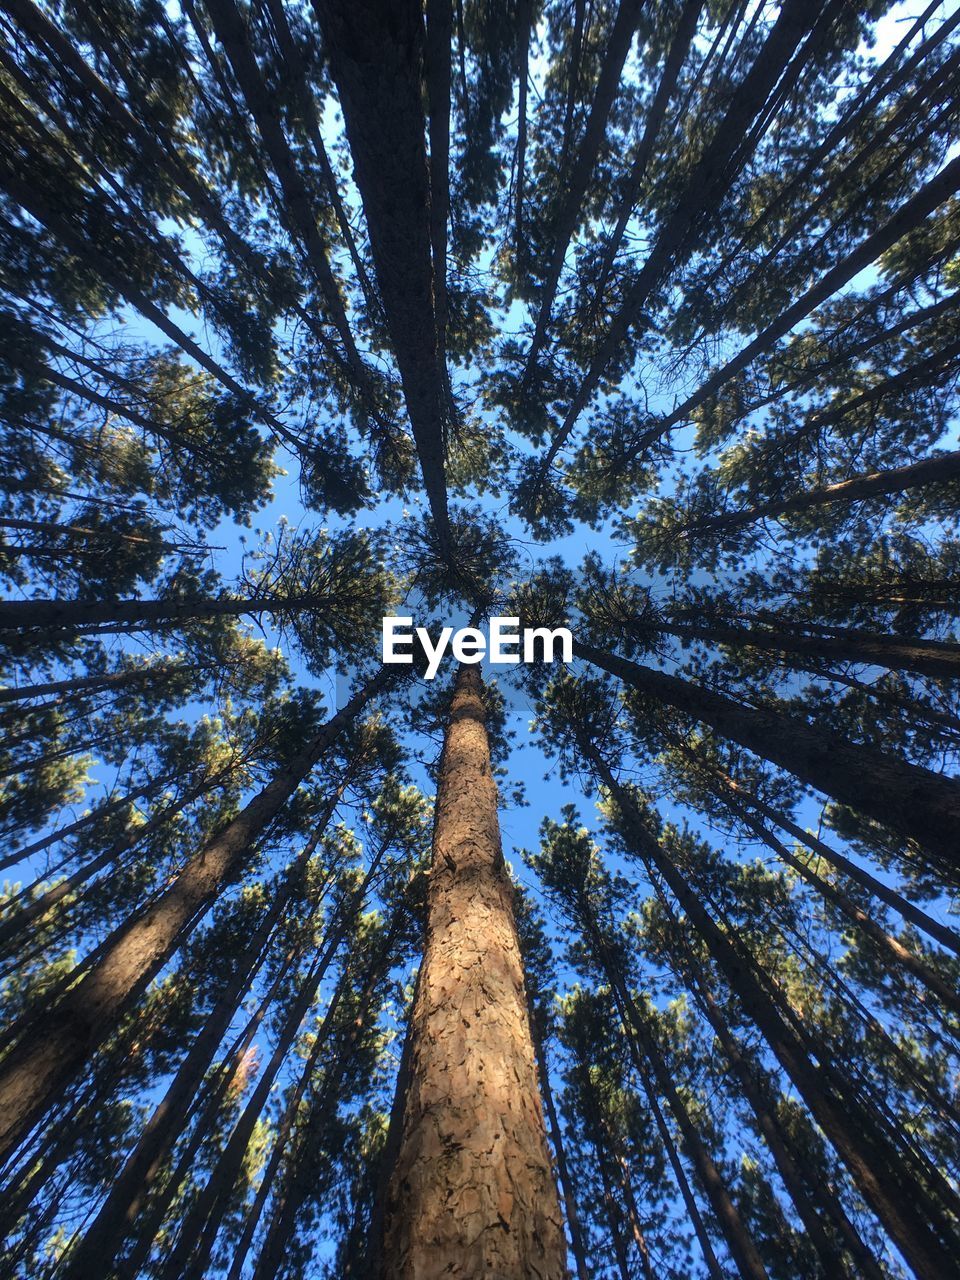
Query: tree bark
point(54, 1052)
point(472, 1191)
point(912, 801)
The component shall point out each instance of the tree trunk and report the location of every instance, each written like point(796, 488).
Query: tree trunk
point(701, 196)
point(890, 897)
point(107, 615)
point(556, 1141)
point(812, 1203)
point(910, 215)
point(108, 680)
point(642, 1036)
point(935, 658)
point(874, 484)
point(375, 52)
point(912, 801)
point(472, 1188)
point(104, 1236)
point(575, 187)
point(670, 75)
point(52, 1054)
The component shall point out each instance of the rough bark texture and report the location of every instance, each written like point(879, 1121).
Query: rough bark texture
point(472, 1192)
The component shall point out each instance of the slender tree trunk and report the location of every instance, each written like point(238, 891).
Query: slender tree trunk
point(614, 1214)
point(524, 24)
point(874, 484)
point(147, 791)
point(301, 1154)
point(215, 1091)
point(52, 1054)
point(439, 36)
point(911, 801)
point(890, 897)
point(23, 909)
point(104, 1237)
point(910, 215)
point(679, 48)
point(701, 196)
point(559, 1149)
point(473, 1186)
point(633, 1214)
point(813, 1204)
point(575, 187)
point(738, 1238)
point(894, 954)
point(121, 615)
point(108, 680)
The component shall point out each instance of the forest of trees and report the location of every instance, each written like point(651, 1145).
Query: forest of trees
point(633, 316)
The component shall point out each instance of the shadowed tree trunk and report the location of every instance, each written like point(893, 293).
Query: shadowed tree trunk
point(578, 181)
point(472, 1189)
point(577, 1246)
point(873, 484)
point(122, 615)
point(376, 53)
point(910, 800)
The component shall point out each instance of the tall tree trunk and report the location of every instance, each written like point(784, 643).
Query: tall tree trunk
point(813, 1203)
point(122, 615)
point(575, 187)
point(910, 215)
point(702, 194)
point(910, 800)
point(375, 50)
point(472, 1186)
point(938, 659)
point(670, 75)
point(313, 1128)
point(890, 897)
point(642, 1037)
point(437, 51)
point(160, 671)
point(54, 1052)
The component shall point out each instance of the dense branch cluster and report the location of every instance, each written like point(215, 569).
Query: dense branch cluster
point(636, 317)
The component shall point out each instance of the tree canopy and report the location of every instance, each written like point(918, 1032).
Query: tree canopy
point(637, 317)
